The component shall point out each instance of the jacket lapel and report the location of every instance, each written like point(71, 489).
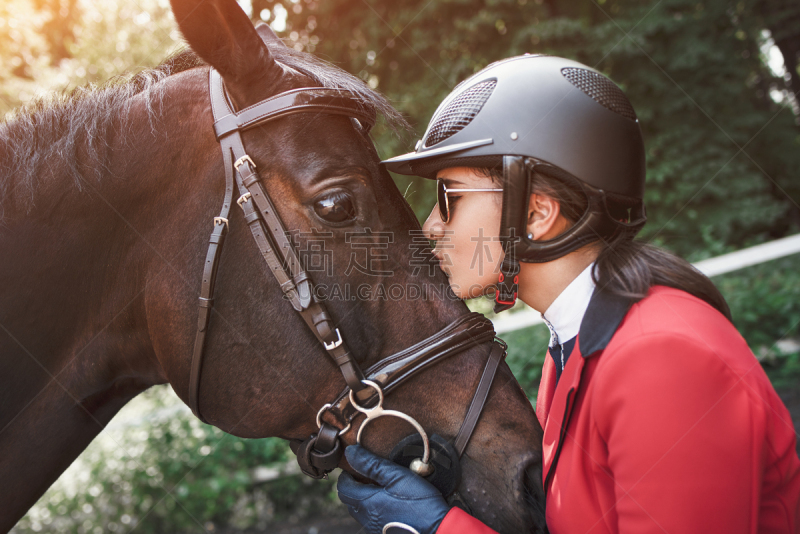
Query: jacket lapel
point(561, 406)
point(599, 324)
point(547, 388)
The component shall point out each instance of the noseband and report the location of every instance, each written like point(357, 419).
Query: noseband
point(322, 452)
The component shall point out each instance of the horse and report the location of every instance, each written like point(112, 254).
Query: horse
point(108, 196)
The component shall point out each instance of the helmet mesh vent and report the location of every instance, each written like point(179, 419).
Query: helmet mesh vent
point(601, 89)
point(460, 112)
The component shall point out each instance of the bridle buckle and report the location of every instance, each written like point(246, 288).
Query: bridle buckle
point(221, 220)
point(244, 198)
point(334, 344)
point(244, 159)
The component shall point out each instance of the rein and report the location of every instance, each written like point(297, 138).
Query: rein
point(322, 452)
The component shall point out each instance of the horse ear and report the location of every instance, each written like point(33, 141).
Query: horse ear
point(221, 33)
point(267, 35)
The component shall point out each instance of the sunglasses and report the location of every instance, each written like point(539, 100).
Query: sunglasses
point(444, 202)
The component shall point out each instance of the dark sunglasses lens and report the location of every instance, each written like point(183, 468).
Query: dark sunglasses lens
point(441, 193)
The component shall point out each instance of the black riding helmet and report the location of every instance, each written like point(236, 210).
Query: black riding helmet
point(549, 115)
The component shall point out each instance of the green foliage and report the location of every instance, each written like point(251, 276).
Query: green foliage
point(765, 304)
point(721, 152)
point(527, 349)
point(173, 473)
point(21, 47)
point(55, 45)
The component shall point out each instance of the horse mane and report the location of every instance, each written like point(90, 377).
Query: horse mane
point(46, 136)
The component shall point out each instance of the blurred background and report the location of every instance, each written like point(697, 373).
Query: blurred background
point(714, 82)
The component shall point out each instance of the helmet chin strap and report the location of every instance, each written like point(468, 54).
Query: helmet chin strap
point(595, 224)
point(507, 285)
point(516, 186)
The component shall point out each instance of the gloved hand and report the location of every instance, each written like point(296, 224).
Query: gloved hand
point(402, 496)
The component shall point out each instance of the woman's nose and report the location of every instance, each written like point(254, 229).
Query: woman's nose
point(434, 227)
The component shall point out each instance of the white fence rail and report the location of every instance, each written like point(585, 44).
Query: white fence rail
point(726, 263)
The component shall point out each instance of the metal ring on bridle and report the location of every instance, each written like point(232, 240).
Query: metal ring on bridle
point(377, 411)
point(397, 524)
point(319, 419)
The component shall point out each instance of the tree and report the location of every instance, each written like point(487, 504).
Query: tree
point(782, 17)
point(721, 151)
point(57, 45)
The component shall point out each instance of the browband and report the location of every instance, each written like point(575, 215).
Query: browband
point(303, 100)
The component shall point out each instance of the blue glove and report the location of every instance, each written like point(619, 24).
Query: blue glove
point(402, 496)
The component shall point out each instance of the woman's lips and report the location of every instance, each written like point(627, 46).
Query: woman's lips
point(441, 263)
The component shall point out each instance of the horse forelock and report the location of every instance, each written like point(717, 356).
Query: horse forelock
point(45, 136)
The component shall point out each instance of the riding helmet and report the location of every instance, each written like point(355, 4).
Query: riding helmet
point(548, 115)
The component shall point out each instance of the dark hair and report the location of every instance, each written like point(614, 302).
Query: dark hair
point(625, 266)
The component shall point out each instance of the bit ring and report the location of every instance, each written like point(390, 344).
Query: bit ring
point(378, 411)
point(319, 419)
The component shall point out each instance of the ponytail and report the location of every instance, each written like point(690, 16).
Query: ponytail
point(629, 268)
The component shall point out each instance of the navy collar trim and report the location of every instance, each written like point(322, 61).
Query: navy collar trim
point(602, 319)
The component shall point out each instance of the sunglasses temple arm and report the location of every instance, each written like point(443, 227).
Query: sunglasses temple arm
point(474, 190)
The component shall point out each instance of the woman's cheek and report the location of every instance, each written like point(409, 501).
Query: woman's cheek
point(474, 271)
point(473, 253)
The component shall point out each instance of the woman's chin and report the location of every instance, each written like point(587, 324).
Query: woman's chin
point(471, 291)
point(458, 290)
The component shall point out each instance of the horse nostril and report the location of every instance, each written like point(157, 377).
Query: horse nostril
point(533, 494)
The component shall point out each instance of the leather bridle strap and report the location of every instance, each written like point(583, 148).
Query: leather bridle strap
point(496, 355)
point(393, 377)
point(280, 255)
point(321, 453)
point(264, 223)
point(469, 330)
point(206, 303)
point(294, 281)
point(304, 100)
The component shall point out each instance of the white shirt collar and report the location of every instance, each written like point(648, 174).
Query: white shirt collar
point(565, 314)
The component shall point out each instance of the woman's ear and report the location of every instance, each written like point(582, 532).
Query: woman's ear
point(544, 217)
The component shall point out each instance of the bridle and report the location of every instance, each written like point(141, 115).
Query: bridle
point(322, 452)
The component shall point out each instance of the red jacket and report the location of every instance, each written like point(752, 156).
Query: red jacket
point(662, 421)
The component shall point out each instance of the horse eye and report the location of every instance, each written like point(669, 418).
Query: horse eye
point(336, 207)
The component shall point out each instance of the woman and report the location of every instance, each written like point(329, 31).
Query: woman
point(656, 415)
